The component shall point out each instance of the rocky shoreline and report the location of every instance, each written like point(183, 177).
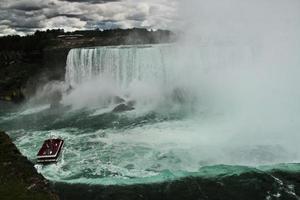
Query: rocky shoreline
point(19, 180)
point(18, 177)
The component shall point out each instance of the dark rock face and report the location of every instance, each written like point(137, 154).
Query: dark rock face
point(14, 95)
point(122, 108)
point(18, 177)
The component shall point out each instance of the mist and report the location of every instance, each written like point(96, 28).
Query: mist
point(246, 53)
point(236, 67)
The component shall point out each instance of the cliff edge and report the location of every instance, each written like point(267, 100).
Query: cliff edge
point(18, 177)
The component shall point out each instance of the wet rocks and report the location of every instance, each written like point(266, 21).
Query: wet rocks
point(15, 95)
point(122, 108)
point(122, 104)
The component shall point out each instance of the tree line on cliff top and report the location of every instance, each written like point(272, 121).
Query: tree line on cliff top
point(41, 39)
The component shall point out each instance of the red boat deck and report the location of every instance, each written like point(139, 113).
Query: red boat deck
point(50, 150)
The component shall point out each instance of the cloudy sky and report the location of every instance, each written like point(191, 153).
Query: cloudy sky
point(26, 16)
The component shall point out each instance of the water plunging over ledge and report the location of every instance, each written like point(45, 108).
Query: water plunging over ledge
point(124, 64)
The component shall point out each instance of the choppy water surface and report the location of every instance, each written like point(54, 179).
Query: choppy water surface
point(128, 148)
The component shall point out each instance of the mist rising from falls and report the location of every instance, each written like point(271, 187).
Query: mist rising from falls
point(155, 76)
point(148, 75)
point(259, 95)
point(220, 82)
point(238, 89)
point(238, 59)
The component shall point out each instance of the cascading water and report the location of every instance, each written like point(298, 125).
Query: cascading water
point(123, 64)
point(146, 63)
point(140, 73)
point(147, 74)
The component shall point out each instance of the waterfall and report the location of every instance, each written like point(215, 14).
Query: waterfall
point(123, 64)
point(149, 73)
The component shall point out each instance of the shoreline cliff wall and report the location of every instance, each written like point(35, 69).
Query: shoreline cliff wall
point(18, 177)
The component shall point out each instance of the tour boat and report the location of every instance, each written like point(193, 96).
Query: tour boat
point(50, 151)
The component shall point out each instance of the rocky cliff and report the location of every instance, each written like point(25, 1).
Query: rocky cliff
point(18, 177)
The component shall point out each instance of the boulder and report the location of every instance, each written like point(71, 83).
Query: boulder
point(122, 108)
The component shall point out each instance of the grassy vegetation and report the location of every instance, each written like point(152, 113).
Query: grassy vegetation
point(50, 38)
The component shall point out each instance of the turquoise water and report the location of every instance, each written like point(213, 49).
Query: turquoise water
point(127, 148)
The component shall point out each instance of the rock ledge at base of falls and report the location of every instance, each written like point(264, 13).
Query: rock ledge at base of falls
point(122, 108)
point(19, 179)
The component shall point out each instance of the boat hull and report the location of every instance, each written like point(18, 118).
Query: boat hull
point(50, 151)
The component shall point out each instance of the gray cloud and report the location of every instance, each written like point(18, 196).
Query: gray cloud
point(29, 5)
point(91, 1)
point(27, 16)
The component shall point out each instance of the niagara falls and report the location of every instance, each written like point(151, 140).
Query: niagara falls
point(150, 100)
